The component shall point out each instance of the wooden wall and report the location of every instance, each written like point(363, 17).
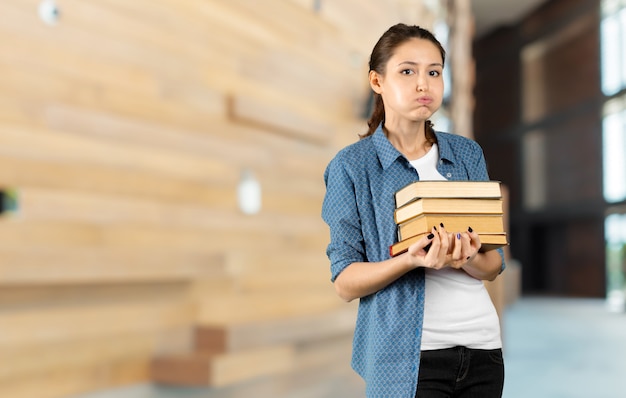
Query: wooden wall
point(125, 129)
point(538, 116)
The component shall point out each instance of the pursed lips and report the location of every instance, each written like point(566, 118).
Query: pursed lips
point(425, 100)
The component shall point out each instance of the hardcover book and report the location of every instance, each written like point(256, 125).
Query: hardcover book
point(448, 189)
point(488, 242)
point(481, 223)
point(447, 206)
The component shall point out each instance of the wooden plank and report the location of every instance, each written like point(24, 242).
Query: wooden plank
point(296, 329)
point(114, 127)
point(259, 271)
point(251, 234)
point(40, 358)
point(55, 265)
point(57, 146)
point(33, 360)
point(65, 382)
point(15, 172)
point(250, 307)
point(34, 297)
point(222, 370)
point(39, 204)
point(75, 321)
point(278, 119)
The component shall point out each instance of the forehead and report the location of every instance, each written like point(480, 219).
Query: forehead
point(415, 50)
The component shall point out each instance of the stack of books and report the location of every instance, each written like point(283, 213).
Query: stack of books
point(457, 205)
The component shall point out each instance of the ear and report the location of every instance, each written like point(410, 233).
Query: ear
point(375, 82)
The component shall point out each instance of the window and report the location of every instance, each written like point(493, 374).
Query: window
point(614, 150)
point(613, 47)
point(615, 227)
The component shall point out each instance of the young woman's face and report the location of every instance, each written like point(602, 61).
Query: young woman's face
point(412, 86)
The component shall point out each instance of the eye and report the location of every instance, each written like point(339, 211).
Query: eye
point(434, 73)
point(406, 72)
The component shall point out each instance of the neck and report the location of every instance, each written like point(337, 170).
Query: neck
point(409, 140)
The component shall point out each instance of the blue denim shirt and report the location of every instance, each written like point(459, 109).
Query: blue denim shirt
point(358, 207)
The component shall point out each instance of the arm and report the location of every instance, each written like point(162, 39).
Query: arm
point(360, 279)
point(484, 266)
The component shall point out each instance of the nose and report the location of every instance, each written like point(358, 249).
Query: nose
point(422, 85)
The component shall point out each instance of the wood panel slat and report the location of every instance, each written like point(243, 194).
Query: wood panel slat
point(51, 325)
point(299, 329)
point(81, 265)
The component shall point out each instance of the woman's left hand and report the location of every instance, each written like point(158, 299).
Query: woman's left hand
point(463, 248)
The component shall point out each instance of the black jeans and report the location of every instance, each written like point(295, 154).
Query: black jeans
point(461, 372)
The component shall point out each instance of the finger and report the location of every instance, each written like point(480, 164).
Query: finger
point(421, 246)
point(445, 241)
point(466, 250)
point(451, 241)
point(432, 257)
point(458, 247)
point(475, 238)
point(438, 252)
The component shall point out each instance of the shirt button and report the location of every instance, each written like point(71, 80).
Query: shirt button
point(449, 175)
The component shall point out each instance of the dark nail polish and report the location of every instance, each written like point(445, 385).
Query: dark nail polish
point(470, 229)
point(430, 236)
point(458, 235)
point(468, 258)
point(434, 228)
point(441, 224)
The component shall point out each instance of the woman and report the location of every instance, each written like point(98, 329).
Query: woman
point(426, 326)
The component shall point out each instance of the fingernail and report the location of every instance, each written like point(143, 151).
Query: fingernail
point(434, 228)
point(430, 236)
point(470, 229)
point(441, 224)
point(458, 235)
point(468, 258)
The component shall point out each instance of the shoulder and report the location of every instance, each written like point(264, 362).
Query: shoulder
point(456, 140)
point(356, 150)
point(352, 156)
point(344, 173)
point(458, 145)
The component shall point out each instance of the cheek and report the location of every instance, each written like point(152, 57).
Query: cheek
point(400, 92)
point(438, 87)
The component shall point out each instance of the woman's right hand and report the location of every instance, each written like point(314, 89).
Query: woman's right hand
point(431, 250)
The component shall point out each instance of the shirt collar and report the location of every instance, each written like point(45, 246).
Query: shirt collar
point(387, 153)
point(445, 148)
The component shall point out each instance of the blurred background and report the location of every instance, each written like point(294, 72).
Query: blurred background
point(161, 183)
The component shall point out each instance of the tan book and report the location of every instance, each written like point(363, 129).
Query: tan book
point(447, 189)
point(488, 242)
point(447, 206)
point(481, 223)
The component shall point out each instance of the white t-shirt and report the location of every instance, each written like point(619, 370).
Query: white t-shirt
point(457, 309)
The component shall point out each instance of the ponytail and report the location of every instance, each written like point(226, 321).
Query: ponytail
point(378, 115)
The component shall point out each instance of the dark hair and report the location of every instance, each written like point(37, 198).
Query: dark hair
point(382, 52)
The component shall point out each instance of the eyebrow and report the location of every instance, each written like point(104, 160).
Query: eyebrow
point(416, 63)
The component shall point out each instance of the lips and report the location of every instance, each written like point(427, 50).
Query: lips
point(425, 100)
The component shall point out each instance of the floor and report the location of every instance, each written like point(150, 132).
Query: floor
point(564, 348)
point(554, 348)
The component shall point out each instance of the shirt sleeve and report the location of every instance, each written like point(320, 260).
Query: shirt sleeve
point(340, 212)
